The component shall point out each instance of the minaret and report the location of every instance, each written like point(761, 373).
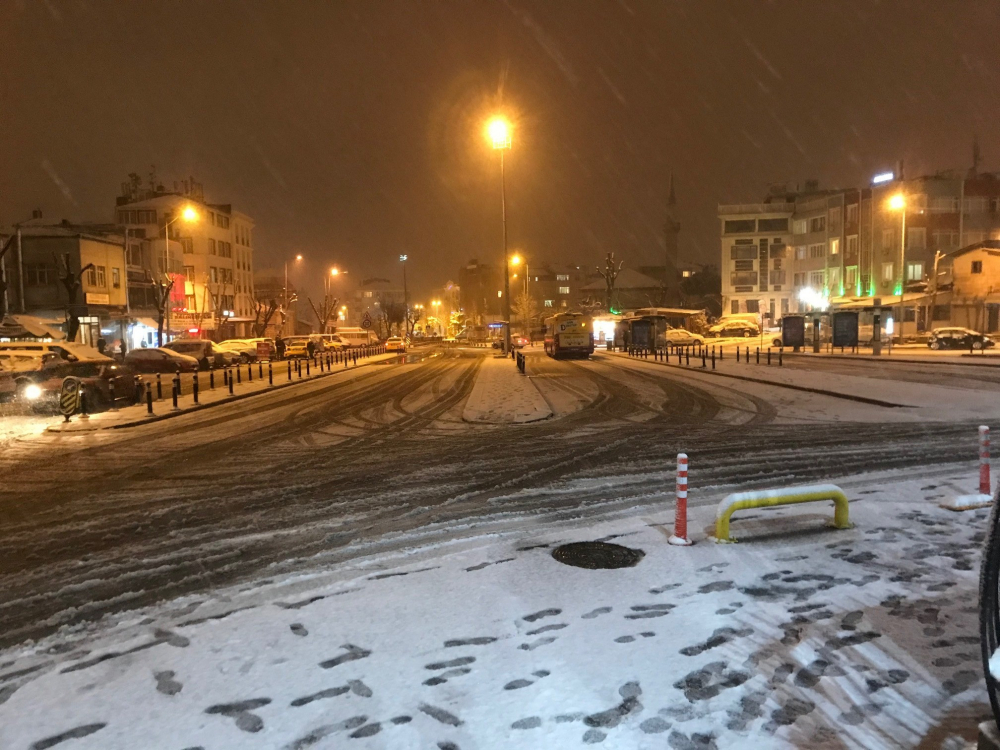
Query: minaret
point(671, 230)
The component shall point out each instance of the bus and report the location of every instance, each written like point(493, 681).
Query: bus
point(569, 335)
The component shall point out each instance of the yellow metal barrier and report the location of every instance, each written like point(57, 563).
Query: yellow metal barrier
point(788, 496)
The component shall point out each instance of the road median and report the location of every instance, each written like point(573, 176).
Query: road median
point(502, 395)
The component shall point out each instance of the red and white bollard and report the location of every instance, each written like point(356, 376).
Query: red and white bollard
point(680, 537)
point(984, 460)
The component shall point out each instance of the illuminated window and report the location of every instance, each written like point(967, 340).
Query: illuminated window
point(548, 303)
point(564, 290)
point(835, 247)
point(888, 274)
point(914, 271)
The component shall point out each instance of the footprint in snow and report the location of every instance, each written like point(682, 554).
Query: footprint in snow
point(523, 683)
point(166, 684)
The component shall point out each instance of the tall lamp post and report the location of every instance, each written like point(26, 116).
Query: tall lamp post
point(499, 130)
point(406, 298)
point(284, 294)
point(898, 203)
point(190, 216)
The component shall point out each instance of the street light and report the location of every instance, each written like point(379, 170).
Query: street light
point(406, 297)
point(898, 203)
point(189, 215)
point(499, 132)
point(284, 311)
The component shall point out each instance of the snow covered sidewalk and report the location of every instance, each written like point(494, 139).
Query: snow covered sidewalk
point(862, 638)
point(502, 395)
point(284, 375)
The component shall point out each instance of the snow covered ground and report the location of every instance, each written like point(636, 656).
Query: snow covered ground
point(800, 635)
point(502, 395)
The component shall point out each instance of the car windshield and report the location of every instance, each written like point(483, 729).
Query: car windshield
point(459, 375)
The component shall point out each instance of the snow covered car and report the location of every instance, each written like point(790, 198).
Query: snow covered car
point(682, 337)
point(42, 391)
point(160, 360)
point(246, 350)
point(395, 344)
point(734, 329)
point(205, 351)
point(518, 342)
point(958, 338)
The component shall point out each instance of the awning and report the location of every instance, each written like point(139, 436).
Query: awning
point(148, 322)
point(29, 326)
point(867, 303)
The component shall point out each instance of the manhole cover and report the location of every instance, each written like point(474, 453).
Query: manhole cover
point(597, 555)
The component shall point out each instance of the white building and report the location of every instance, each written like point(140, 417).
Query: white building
point(214, 243)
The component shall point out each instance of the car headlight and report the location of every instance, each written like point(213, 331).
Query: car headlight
point(32, 392)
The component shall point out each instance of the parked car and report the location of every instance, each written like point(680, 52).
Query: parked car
point(734, 329)
point(682, 337)
point(68, 351)
point(41, 390)
point(298, 347)
point(246, 350)
point(332, 341)
point(160, 360)
point(206, 352)
point(395, 344)
point(958, 338)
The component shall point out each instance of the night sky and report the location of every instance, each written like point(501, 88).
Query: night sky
point(353, 131)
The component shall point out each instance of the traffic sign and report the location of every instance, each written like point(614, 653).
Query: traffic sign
point(69, 396)
point(366, 321)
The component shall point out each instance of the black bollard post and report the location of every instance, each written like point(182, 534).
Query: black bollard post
point(704, 360)
point(713, 357)
point(194, 387)
point(260, 370)
point(687, 356)
point(289, 371)
point(270, 373)
point(780, 352)
point(758, 355)
point(239, 377)
point(211, 378)
point(344, 359)
point(720, 352)
point(230, 382)
point(355, 358)
point(307, 367)
point(769, 355)
point(149, 398)
point(175, 394)
point(111, 394)
point(249, 372)
point(159, 387)
point(225, 377)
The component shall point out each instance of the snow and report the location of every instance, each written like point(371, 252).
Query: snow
point(502, 395)
point(859, 638)
point(967, 502)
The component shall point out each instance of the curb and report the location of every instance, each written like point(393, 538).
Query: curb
point(146, 419)
point(889, 360)
point(806, 389)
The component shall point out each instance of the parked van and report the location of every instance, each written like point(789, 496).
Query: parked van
point(353, 337)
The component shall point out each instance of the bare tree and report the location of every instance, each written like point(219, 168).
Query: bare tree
point(161, 298)
point(395, 315)
point(71, 281)
point(218, 309)
point(525, 310)
point(326, 311)
point(263, 311)
point(610, 273)
point(413, 316)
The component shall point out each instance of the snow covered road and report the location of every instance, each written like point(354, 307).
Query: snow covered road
point(379, 460)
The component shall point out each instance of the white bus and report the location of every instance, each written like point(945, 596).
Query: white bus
point(356, 336)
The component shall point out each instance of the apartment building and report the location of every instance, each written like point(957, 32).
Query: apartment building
point(812, 249)
point(205, 248)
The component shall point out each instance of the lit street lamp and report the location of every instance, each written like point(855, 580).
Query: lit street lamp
point(285, 301)
point(898, 203)
point(406, 297)
point(189, 215)
point(499, 132)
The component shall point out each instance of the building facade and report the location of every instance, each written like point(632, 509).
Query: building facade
point(42, 264)
point(205, 249)
point(805, 250)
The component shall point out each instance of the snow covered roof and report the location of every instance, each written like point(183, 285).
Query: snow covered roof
point(990, 246)
point(21, 326)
